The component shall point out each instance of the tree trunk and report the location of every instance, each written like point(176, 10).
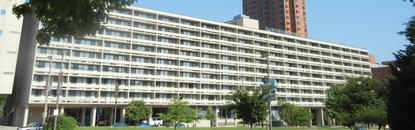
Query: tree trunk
point(250, 127)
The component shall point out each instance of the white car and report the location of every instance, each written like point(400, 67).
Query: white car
point(154, 121)
point(32, 126)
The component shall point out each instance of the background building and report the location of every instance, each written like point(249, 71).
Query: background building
point(286, 15)
point(10, 28)
point(155, 56)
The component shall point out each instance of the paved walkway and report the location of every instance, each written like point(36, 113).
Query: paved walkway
point(8, 128)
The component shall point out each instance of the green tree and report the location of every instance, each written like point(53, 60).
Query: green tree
point(63, 123)
point(68, 18)
point(3, 99)
point(401, 104)
point(137, 111)
point(294, 115)
point(350, 103)
point(195, 116)
point(251, 106)
point(210, 115)
point(179, 111)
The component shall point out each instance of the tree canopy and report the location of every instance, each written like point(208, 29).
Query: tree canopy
point(210, 115)
point(251, 106)
point(401, 104)
point(68, 18)
point(353, 102)
point(179, 111)
point(294, 115)
point(137, 111)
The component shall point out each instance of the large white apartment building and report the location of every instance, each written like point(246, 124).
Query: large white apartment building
point(10, 28)
point(156, 56)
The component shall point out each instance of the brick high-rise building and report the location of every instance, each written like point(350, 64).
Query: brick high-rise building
point(286, 15)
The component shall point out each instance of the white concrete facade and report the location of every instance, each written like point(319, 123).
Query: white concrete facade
point(10, 28)
point(157, 55)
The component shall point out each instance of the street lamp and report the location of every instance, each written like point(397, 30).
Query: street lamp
point(58, 90)
point(269, 92)
point(47, 89)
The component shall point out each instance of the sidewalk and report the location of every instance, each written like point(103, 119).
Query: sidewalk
point(8, 128)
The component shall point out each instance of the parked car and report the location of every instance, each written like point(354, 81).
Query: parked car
point(155, 121)
point(143, 125)
point(32, 126)
point(177, 125)
point(120, 125)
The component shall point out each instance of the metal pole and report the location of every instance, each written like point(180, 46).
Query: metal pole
point(116, 97)
point(47, 87)
point(57, 91)
point(269, 94)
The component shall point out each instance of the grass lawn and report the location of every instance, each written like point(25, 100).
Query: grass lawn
point(237, 128)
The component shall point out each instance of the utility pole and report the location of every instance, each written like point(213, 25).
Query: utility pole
point(58, 91)
point(117, 86)
point(47, 89)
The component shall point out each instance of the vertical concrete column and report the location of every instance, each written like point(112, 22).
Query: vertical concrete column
point(93, 116)
point(311, 121)
point(319, 117)
point(111, 116)
point(83, 115)
point(25, 115)
point(217, 116)
point(122, 115)
point(322, 116)
point(62, 110)
point(234, 119)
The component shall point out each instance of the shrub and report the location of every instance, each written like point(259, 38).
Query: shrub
point(63, 123)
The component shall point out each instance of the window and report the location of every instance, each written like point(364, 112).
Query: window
point(115, 57)
point(140, 83)
point(84, 67)
point(141, 71)
point(166, 51)
point(142, 48)
point(144, 15)
point(205, 45)
point(188, 53)
point(87, 42)
point(167, 40)
point(114, 69)
point(1, 32)
point(189, 64)
point(166, 62)
point(165, 29)
point(142, 59)
point(116, 45)
point(143, 25)
point(50, 51)
point(117, 33)
point(85, 54)
point(143, 37)
point(166, 73)
point(188, 74)
point(190, 43)
point(118, 22)
point(121, 11)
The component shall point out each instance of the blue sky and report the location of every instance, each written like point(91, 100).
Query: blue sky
point(369, 24)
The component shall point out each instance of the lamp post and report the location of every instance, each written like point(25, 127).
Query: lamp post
point(58, 91)
point(269, 125)
point(117, 86)
point(47, 89)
